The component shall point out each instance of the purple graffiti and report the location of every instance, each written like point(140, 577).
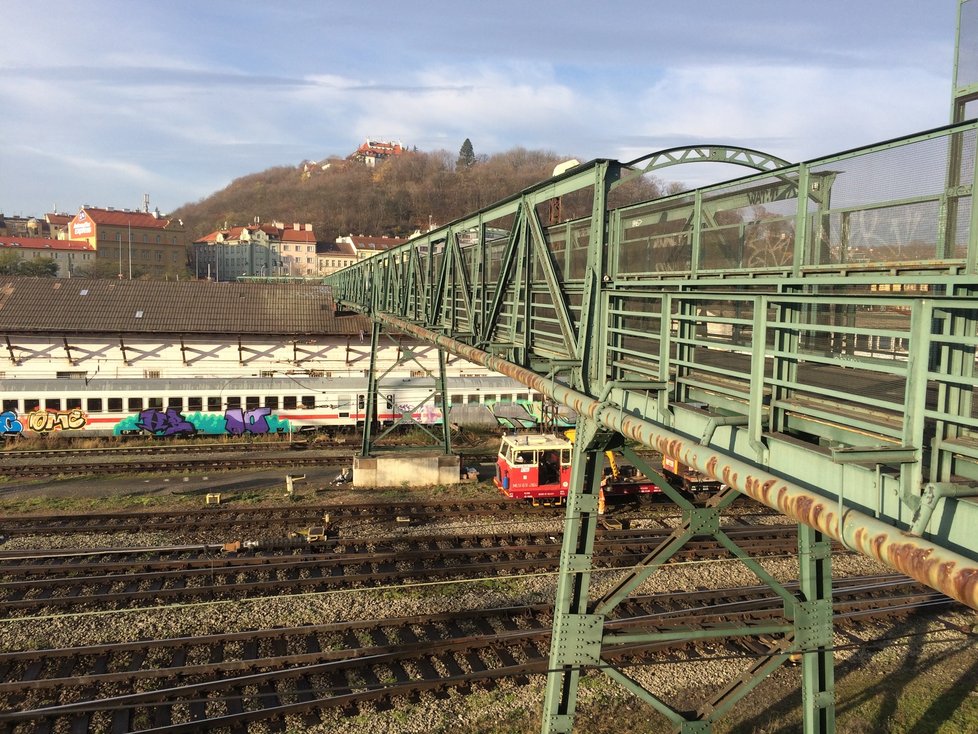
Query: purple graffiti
point(9, 423)
point(164, 423)
point(252, 421)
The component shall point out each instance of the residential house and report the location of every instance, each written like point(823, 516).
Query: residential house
point(365, 246)
point(68, 255)
point(335, 256)
point(257, 251)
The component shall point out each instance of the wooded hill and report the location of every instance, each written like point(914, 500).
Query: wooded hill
point(396, 197)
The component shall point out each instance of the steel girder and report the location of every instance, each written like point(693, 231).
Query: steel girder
point(757, 331)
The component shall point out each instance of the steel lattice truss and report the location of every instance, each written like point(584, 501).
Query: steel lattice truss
point(805, 334)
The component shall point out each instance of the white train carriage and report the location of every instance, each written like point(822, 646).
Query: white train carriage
point(237, 406)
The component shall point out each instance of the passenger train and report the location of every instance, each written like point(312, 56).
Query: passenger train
point(238, 405)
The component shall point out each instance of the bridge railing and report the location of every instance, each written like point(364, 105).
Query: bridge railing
point(831, 304)
point(906, 203)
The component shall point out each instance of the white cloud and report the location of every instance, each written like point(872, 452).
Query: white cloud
point(793, 112)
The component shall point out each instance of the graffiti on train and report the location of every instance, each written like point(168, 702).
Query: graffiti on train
point(42, 421)
point(9, 422)
point(427, 414)
point(159, 422)
point(164, 422)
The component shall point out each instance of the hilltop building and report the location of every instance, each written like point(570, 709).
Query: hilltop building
point(135, 242)
point(371, 151)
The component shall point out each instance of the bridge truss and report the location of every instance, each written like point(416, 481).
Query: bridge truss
point(806, 334)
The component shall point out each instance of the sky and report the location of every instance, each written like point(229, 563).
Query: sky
point(105, 101)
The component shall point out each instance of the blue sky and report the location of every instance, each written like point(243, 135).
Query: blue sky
point(103, 101)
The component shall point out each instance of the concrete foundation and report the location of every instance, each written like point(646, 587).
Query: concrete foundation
point(406, 470)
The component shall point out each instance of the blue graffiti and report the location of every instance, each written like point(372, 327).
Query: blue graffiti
point(169, 422)
point(9, 423)
point(238, 422)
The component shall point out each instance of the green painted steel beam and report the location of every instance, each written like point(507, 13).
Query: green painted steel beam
point(806, 335)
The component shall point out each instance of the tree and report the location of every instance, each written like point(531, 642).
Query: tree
point(42, 267)
point(11, 263)
point(466, 156)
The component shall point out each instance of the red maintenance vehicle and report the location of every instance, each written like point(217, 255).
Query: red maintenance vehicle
point(537, 466)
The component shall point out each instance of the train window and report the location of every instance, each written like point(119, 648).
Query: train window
point(234, 402)
point(252, 402)
point(308, 401)
point(73, 403)
point(94, 405)
point(115, 404)
point(52, 403)
point(458, 399)
point(271, 402)
point(289, 402)
point(11, 405)
point(537, 397)
point(195, 404)
point(154, 403)
point(522, 396)
point(214, 404)
point(175, 403)
point(473, 399)
point(489, 399)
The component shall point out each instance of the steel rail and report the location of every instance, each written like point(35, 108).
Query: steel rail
point(940, 568)
point(750, 606)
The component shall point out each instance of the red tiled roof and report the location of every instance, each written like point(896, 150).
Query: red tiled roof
point(121, 218)
point(61, 219)
point(274, 233)
point(362, 242)
point(344, 249)
point(298, 235)
point(44, 243)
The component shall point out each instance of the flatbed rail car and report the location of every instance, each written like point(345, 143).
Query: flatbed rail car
point(684, 477)
point(537, 466)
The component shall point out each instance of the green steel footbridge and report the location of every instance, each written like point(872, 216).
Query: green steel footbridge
point(806, 334)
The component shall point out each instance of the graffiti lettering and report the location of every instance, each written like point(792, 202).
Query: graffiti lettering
point(9, 422)
point(252, 421)
point(169, 422)
point(45, 421)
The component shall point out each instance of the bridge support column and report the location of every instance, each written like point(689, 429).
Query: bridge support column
point(580, 640)
point(373, 432)
point(370, 399)
point(813, 631)
point(576, 639)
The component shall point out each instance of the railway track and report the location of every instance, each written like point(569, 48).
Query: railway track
point(174, 685)
point(284, 517)
point(36, 470)
point(176, 457)
point(13, 454)
point(214, 518)
point(35, 584)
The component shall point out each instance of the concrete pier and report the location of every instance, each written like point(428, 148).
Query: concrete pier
point(406, 470)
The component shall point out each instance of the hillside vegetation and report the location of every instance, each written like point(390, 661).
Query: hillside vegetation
point(395, 198)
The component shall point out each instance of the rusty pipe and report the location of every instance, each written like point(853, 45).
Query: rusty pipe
point(944, 570)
